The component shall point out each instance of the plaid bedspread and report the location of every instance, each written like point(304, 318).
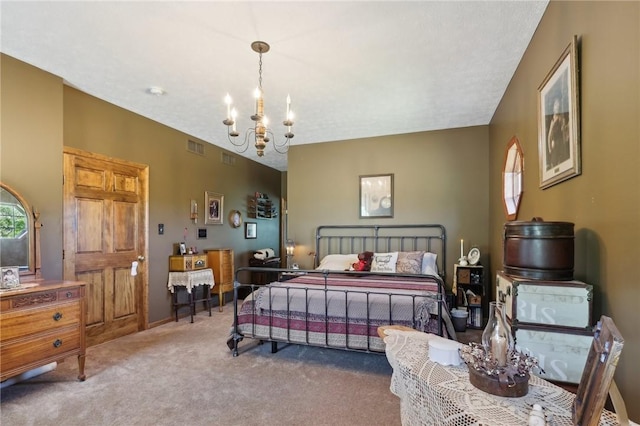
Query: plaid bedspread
point(340, 310)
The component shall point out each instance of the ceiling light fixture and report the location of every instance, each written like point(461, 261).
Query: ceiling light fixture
point(261, 133)
point(156, 91)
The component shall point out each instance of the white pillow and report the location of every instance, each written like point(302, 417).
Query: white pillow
point(337, 262)
point(384, 262)
point(429, 264)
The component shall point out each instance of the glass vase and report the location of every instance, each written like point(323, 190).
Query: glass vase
point(497, 339)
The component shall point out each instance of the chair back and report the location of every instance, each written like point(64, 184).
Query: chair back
point(597, 375)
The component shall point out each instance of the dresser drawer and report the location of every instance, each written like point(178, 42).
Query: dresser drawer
point(25, 322)
point(36, 300)
point(38, 348)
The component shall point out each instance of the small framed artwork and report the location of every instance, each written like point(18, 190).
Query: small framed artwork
point(214, 208)
point(559, 120)
point(376, 196)
point(182, 249)
point(250, 230)
point(10, 277)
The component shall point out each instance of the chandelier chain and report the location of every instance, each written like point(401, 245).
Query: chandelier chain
point(260, 71)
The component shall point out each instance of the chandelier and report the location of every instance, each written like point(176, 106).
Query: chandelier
point(260, 133)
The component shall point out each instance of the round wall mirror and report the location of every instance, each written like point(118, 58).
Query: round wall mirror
point(512, 179)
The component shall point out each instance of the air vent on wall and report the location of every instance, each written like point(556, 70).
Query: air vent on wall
point(195, 147)
point(227, 159)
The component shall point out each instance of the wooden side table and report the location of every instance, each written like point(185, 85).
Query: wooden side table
point(188, 281)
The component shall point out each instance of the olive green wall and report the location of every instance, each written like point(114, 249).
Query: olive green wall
point(40, 115)
point(31, 149)
point(439, 177)
point(604, 201)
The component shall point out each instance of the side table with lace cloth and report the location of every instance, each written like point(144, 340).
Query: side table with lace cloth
point(188, 281)
point(434, 394)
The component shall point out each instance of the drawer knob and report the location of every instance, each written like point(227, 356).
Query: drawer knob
point(57, 343)
point(69, 294)
point(57, 316)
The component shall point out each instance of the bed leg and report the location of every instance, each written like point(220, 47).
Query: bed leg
point(232, 342)
point(274, 347)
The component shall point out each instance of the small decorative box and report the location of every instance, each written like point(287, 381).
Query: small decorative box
point(188, 262)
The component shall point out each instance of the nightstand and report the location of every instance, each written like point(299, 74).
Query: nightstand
point(471, 277)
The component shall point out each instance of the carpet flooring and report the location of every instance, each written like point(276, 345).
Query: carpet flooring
point(184, 374)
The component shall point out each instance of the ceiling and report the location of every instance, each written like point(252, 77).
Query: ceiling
point(353, 69)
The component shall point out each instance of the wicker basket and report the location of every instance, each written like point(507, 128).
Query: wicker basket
point(491, 384)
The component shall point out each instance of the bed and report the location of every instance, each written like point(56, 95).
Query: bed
point(333, 306)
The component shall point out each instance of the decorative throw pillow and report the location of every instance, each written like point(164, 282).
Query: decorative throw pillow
point(337, 262)
point(409, 262)
point(429, 264)
point(384, 262)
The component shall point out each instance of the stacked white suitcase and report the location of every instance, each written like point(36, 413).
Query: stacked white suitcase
point(551, 320)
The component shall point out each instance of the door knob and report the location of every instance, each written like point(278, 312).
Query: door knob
point(141, 258)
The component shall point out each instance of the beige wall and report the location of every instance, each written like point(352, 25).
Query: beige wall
point(439, 177)
point(31, 149)
point(40, 115)
point(603, 202)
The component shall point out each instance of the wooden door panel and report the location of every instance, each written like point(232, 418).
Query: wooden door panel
point(89, 178)
point(125, 230)
point(124, 183)
point(94, 295)
point(105, 231)
point(89, 219)
point(124, 293)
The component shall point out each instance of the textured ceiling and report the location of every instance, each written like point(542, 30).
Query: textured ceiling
point(353, 69)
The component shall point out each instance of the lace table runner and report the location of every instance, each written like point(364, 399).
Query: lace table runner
point(190, 279)
point(434, 394)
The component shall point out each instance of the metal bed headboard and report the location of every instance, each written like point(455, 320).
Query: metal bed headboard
point(347, 239)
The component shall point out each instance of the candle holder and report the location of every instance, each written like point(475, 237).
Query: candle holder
point(510, 379)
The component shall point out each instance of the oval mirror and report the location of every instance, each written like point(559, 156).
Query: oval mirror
point(17, 236)
point(512, 179)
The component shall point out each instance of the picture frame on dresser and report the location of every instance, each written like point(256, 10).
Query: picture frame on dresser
point(559, 120)
point(214, 208)
point(10, 276)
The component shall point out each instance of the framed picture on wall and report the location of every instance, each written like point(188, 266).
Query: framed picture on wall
point(376, 196)
point(559, 120)
point(250, 230)
point(214, 208)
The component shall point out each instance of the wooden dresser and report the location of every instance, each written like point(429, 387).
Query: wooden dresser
point(40, 323)
point(221, 261)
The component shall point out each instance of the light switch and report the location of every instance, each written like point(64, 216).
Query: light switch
point(160, 228)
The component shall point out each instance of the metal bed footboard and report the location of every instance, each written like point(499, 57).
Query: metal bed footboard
point(274, 332)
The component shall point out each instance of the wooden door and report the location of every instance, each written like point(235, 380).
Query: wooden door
point(105, 223)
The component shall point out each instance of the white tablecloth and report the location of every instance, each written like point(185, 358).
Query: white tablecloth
point(434, 394)
point(190, 279)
